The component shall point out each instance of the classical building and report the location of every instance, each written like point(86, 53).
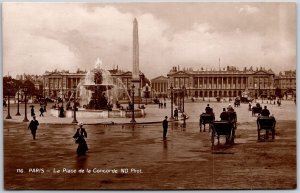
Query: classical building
point(286, 82)
point(62, 83)
point(230, 82)
point(159, 86)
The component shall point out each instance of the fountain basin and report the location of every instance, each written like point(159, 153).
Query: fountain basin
point(101, 114)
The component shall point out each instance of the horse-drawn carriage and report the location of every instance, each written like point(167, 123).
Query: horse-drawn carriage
point(256, 110)
point(267, 124)
point(237, 102)
point(225, 128)
point(206, 118)
point(246, 99)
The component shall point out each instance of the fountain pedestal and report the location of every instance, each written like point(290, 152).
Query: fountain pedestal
point(100, 114)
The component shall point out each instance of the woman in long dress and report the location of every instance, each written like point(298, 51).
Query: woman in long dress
point(79, 137)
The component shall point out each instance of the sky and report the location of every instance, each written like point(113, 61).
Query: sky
point(67, 36)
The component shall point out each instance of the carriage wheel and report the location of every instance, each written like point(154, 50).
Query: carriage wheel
point(273, 133)
point(232, 136)
point(267, 134)
point(212, 138)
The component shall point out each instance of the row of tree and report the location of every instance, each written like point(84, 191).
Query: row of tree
point(11, 86)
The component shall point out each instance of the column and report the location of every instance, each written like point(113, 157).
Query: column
point(227, 83)
point(222, 82)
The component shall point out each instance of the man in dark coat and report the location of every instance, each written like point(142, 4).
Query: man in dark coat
point(41, 111)
point(32, 111)
point(165, 127)
point(208, 110)
point(265, 112)
point(33, 125)
point(224, 115)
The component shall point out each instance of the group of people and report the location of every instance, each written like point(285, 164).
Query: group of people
point(79, 136)
point(42, 110)
point(162, 104)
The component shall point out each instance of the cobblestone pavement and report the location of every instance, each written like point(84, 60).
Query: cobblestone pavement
point(186, 160)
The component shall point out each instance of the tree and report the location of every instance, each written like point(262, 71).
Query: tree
point(31, 91)
point(10, 86)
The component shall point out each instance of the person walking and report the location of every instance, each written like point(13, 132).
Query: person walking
point(165, 127)
point(32, 111)
point(33, 126)
point(176, 114)
point(41, 111)
point(79, 137)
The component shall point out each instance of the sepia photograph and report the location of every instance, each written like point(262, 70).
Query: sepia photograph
point(149, 96)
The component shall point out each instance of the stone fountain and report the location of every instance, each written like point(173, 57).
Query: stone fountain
point(97, 96)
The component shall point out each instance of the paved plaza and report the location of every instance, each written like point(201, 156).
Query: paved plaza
point(123, 157)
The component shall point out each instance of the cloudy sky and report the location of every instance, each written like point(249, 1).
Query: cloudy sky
point(43, 36)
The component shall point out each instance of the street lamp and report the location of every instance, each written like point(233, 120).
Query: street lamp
point(183, 92)
point(74, 107)
point(139, 97)
point(132, 98)
point(171, 88)
point(62, 91)
point(8, 104)
point(18, 109)
point(25, 93)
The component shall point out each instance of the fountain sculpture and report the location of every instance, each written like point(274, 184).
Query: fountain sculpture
point(98, 93)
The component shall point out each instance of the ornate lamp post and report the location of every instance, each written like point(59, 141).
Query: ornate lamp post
point(18, 109)
point(171, 88)
point(74, 107)
point(25, 93)
point(139, 97)
point(132, 120)
point(62, 91)
point(8, 102)
point(183, 93)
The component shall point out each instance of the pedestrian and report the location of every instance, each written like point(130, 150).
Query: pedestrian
point(45, 105)
point(165, 104)
point(41, 111)
point(33, 125)
point(265, 112)
point(79, 137)
point(184, 118)
point(32, 111)
point(176, 114)
point(278, 102)
point(4, 103)
point(165, 127)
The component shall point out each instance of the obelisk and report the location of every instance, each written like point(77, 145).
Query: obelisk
point(135, 64)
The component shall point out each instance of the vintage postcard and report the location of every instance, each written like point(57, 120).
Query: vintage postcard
point(149, 96)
